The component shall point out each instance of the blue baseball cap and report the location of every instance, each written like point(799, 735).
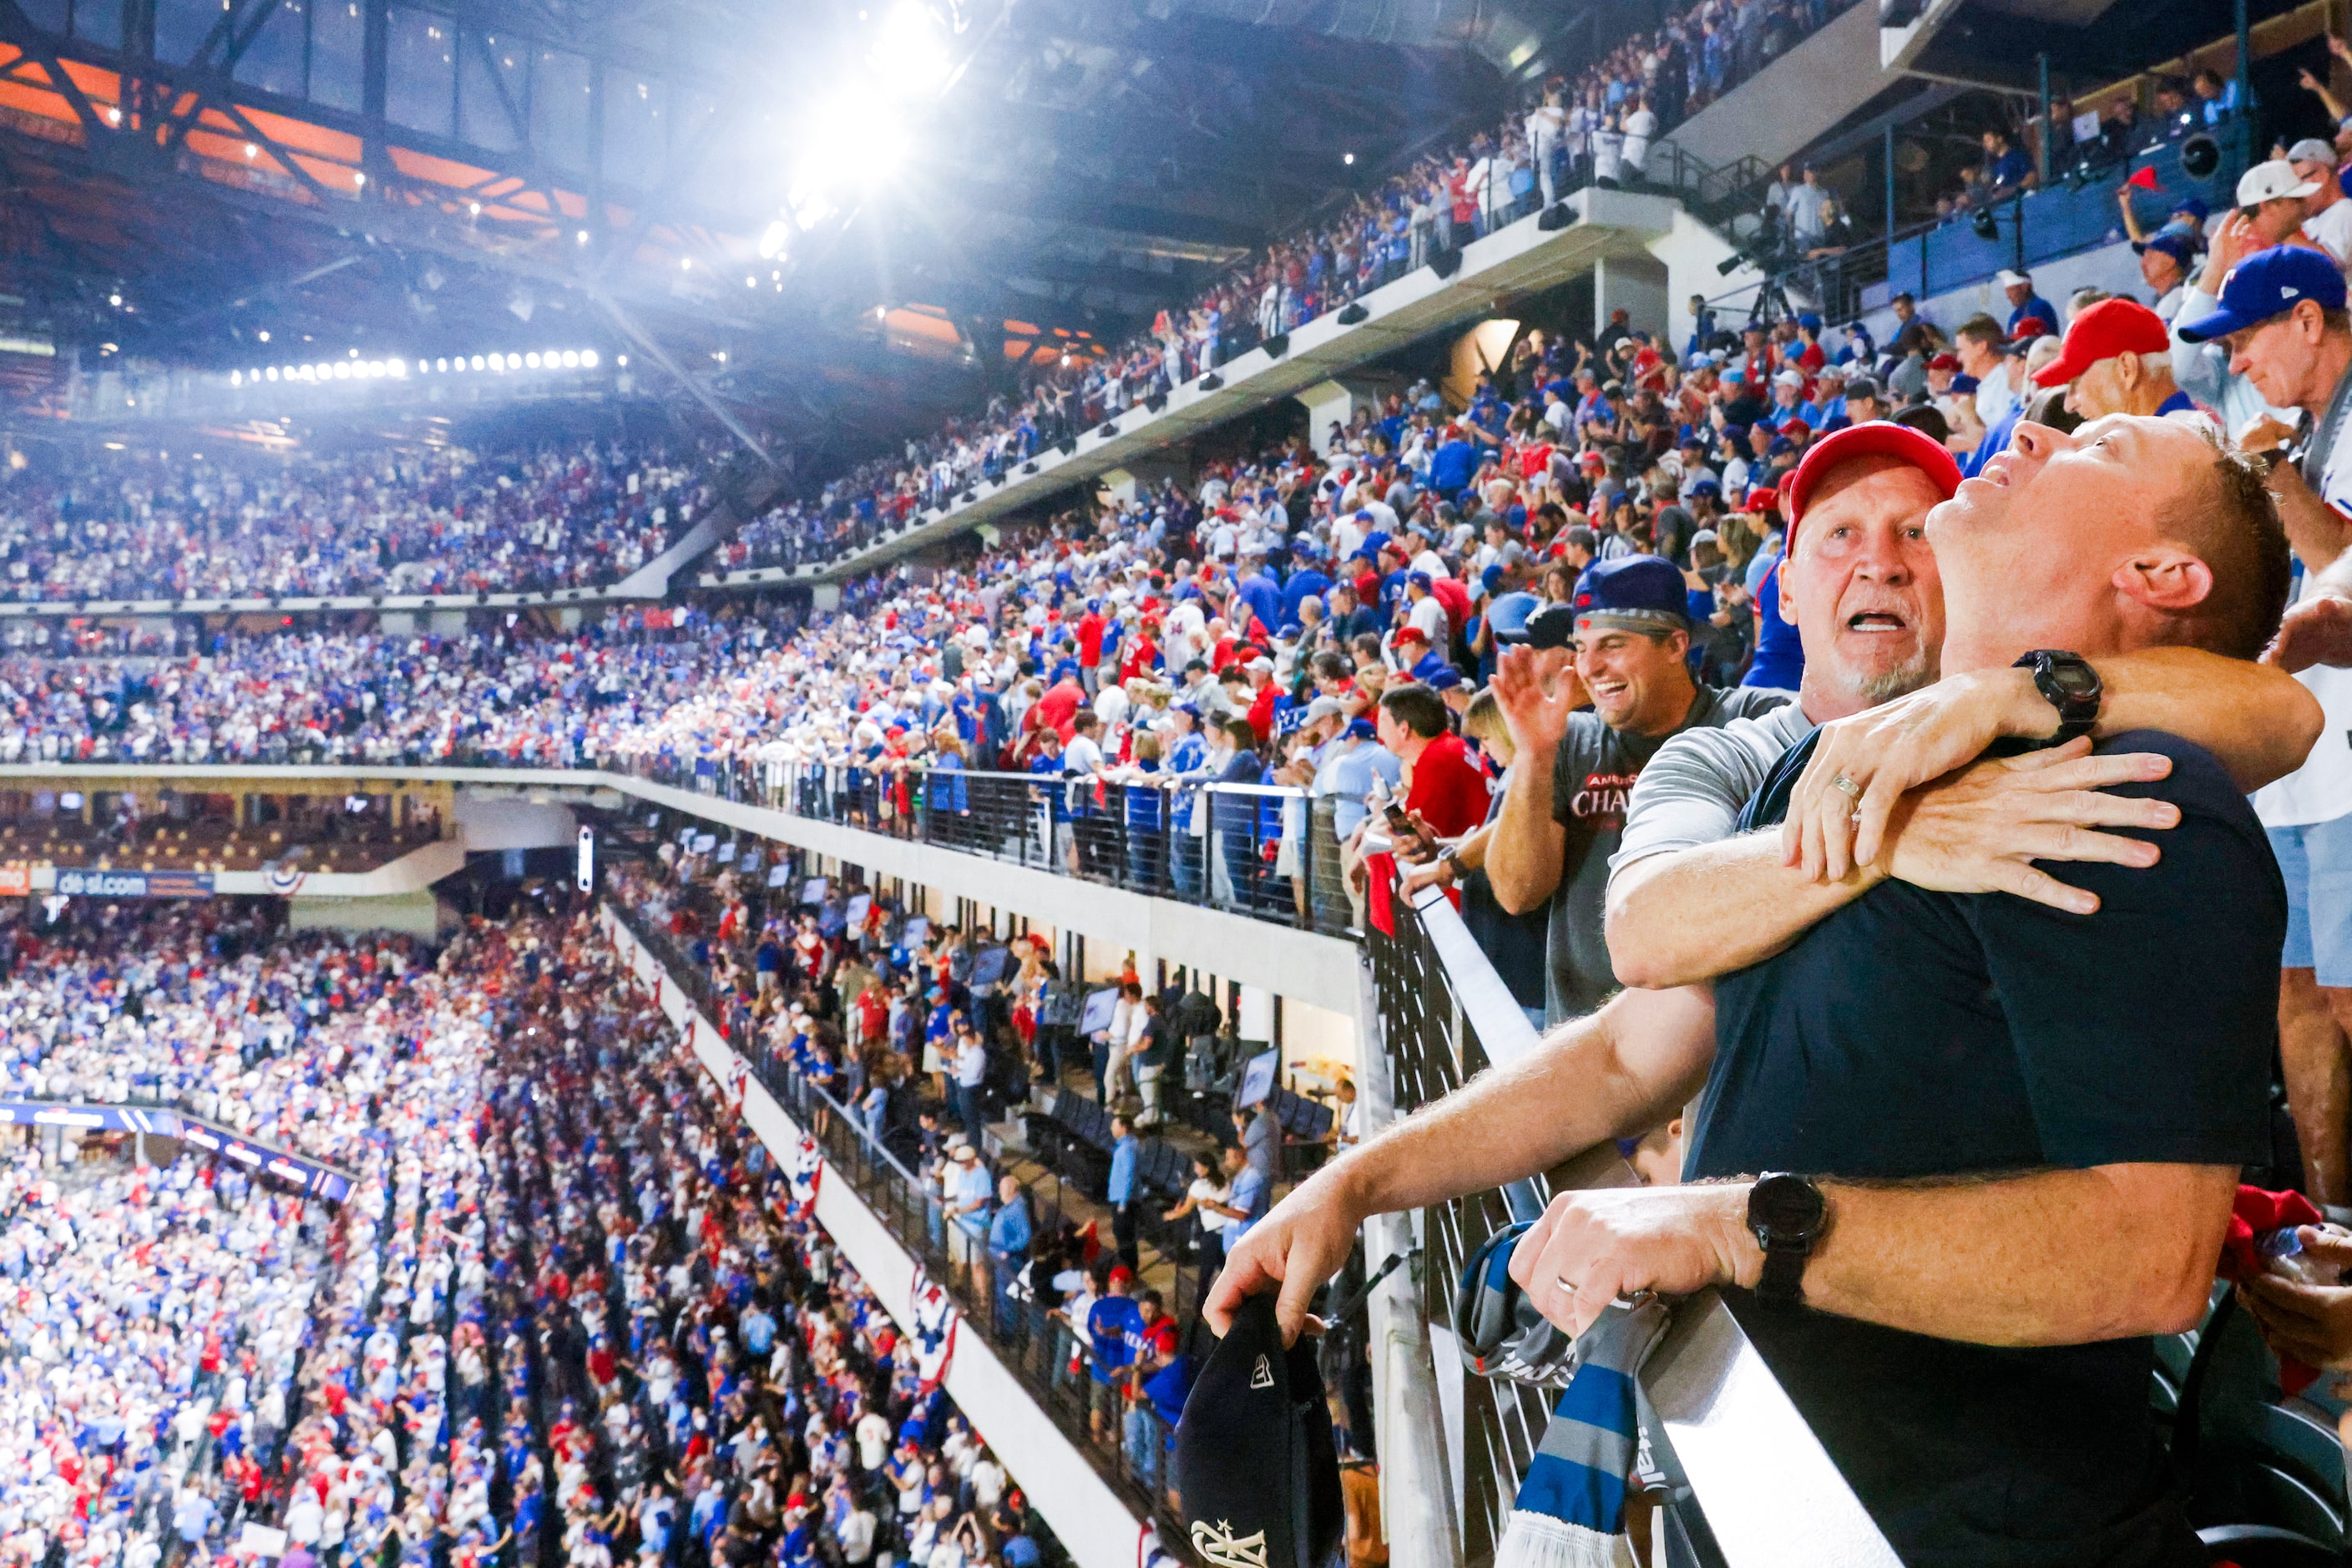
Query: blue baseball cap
point(1643, 593)
point(2266, 284)
point(2176, 245)
point(1444, 679)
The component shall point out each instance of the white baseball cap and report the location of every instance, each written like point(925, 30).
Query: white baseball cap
point(2010, 280)
point(2270, 182)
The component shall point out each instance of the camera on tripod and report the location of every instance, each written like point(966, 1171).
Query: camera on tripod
point(1757, 242)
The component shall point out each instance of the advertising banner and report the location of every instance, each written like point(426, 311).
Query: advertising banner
point(81, 884)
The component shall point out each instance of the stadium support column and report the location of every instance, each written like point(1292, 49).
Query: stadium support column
point(825, 598)
point(2042, 103)
point(2245, 83)
point(1329, 402)
point(1633, 284)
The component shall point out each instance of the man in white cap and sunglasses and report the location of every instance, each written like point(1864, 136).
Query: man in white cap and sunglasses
point(2326, 215)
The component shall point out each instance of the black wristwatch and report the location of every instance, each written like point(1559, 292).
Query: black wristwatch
point(1787, 1215)
point(2072, 687)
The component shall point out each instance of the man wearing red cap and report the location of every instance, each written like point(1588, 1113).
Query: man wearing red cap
point(2117, 359)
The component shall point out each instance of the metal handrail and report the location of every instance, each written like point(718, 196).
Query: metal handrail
point(1733, 1447)
point(1271, 852)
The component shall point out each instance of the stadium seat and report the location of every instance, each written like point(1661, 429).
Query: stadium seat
point(2248, 1456)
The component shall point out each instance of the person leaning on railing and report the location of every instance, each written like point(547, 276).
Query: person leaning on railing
point(1971, 1348)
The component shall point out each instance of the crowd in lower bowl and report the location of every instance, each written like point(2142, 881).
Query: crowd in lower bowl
point(542, 1329)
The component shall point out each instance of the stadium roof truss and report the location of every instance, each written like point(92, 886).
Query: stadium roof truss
point(455, 135)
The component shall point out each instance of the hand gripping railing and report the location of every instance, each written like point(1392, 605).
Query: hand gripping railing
point(1750, 1486)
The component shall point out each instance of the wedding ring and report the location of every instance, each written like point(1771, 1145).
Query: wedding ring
point(1851, 790)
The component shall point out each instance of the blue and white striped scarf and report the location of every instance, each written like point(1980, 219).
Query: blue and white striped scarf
point(1570, 1508)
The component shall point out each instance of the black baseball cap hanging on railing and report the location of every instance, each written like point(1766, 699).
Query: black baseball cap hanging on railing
point(1257, 1467)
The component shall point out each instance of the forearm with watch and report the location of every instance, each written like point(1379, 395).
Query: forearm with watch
point(1467, 852)
point(2044, 1257)
point(2048, 1258)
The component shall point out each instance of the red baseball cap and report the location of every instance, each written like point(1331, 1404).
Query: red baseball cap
point(1411, 634)
point(2109, 328)
point(1763, 498)
point(1878, 439)
point(1945, 361)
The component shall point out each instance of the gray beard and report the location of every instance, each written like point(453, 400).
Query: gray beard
point(1918, 673)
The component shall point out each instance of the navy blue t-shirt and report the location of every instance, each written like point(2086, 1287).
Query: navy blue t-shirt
point(1916, 1033)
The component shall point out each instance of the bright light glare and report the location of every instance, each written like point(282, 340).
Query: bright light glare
point(571, 359)
point(855, 142)
point(910, 58)
point(773, 239)
point(588, 358)
point(532, 360)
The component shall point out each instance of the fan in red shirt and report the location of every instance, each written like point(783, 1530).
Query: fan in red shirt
point(1060, 704)
point(1448, 791)
point(1090, 629)
point(1142, 654)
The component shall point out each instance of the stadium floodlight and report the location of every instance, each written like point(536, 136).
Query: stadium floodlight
point(342, 370)
point(532, 360)
point(273, 372)
point(588, 359)
point(478, 362)
point(571, 359)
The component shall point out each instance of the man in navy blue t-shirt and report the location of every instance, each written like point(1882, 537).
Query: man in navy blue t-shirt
point(1955, 1260)
point(2024, 1124)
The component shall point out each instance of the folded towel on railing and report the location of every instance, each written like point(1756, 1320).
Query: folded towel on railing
point(1570, 1508)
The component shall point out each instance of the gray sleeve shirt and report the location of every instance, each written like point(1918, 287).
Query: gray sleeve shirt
point(1692, 792)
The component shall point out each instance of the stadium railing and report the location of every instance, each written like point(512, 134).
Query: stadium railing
point(2076, 212)
point(1268, 851)
point(1746, 1480)
point(1128, 1441)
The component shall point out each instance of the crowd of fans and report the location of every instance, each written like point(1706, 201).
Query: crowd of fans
point(1126, 646)
point(547, 1326)
point(923, 1035)
point(425, 520)
point(1595, 127)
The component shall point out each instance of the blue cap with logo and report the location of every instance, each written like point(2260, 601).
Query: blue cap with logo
point(1644, 593)
point(2267, 283)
